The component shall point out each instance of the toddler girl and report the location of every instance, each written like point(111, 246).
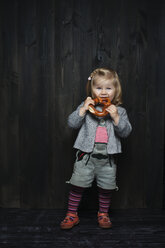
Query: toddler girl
point(97, 142)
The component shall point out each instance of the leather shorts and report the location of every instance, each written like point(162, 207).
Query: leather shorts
point(97, 165)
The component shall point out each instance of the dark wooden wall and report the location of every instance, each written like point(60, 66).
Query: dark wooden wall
point(47, 51)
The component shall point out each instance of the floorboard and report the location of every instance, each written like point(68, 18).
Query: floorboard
point(40, 228)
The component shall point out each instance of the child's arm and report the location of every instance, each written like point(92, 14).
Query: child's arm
point(123, 128)
point(120, 119)
point(75, 120)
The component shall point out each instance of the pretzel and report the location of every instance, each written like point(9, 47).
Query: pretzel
point(101, 101)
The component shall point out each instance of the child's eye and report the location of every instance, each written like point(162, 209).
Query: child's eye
point(98, 88)
point(108, 88)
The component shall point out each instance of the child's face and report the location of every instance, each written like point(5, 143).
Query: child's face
point(103, 88)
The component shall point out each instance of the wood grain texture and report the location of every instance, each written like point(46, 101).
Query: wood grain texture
point(131, 228)
point(47, 51)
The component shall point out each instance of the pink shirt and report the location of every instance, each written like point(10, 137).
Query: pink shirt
point(101, 135)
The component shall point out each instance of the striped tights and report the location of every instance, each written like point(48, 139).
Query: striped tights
point(75, 196)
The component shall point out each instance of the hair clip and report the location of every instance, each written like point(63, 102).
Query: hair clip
point(89, 78)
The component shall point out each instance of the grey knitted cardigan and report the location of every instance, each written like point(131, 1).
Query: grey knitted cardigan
point(88, 125)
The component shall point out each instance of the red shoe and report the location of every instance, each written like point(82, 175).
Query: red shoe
point(104, 220)
point(70, 220)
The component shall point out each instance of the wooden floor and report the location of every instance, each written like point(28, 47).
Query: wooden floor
point(40, 228)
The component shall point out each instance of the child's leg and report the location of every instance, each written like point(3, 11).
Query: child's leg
point(72, 218)
point(105, 196)
point(75, 196)
point(104, 204)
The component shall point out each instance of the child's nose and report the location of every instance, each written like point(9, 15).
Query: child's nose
point(103, 91)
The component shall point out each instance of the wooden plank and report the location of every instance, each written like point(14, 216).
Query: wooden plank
point(9, 95)
point(35, 59)
point(131, 228)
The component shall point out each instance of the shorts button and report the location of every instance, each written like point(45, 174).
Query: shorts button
point(102, 122)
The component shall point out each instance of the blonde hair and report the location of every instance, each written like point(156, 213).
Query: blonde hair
point(108, 74)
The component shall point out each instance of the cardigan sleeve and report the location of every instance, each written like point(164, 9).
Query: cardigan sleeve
point(124, 128)
point(74, 119)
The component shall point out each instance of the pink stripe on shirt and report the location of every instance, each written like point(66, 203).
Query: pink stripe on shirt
point(101, 135)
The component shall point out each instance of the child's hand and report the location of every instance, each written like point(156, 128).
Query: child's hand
point(88, 101)
point(85, 107)
point(112, 110)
